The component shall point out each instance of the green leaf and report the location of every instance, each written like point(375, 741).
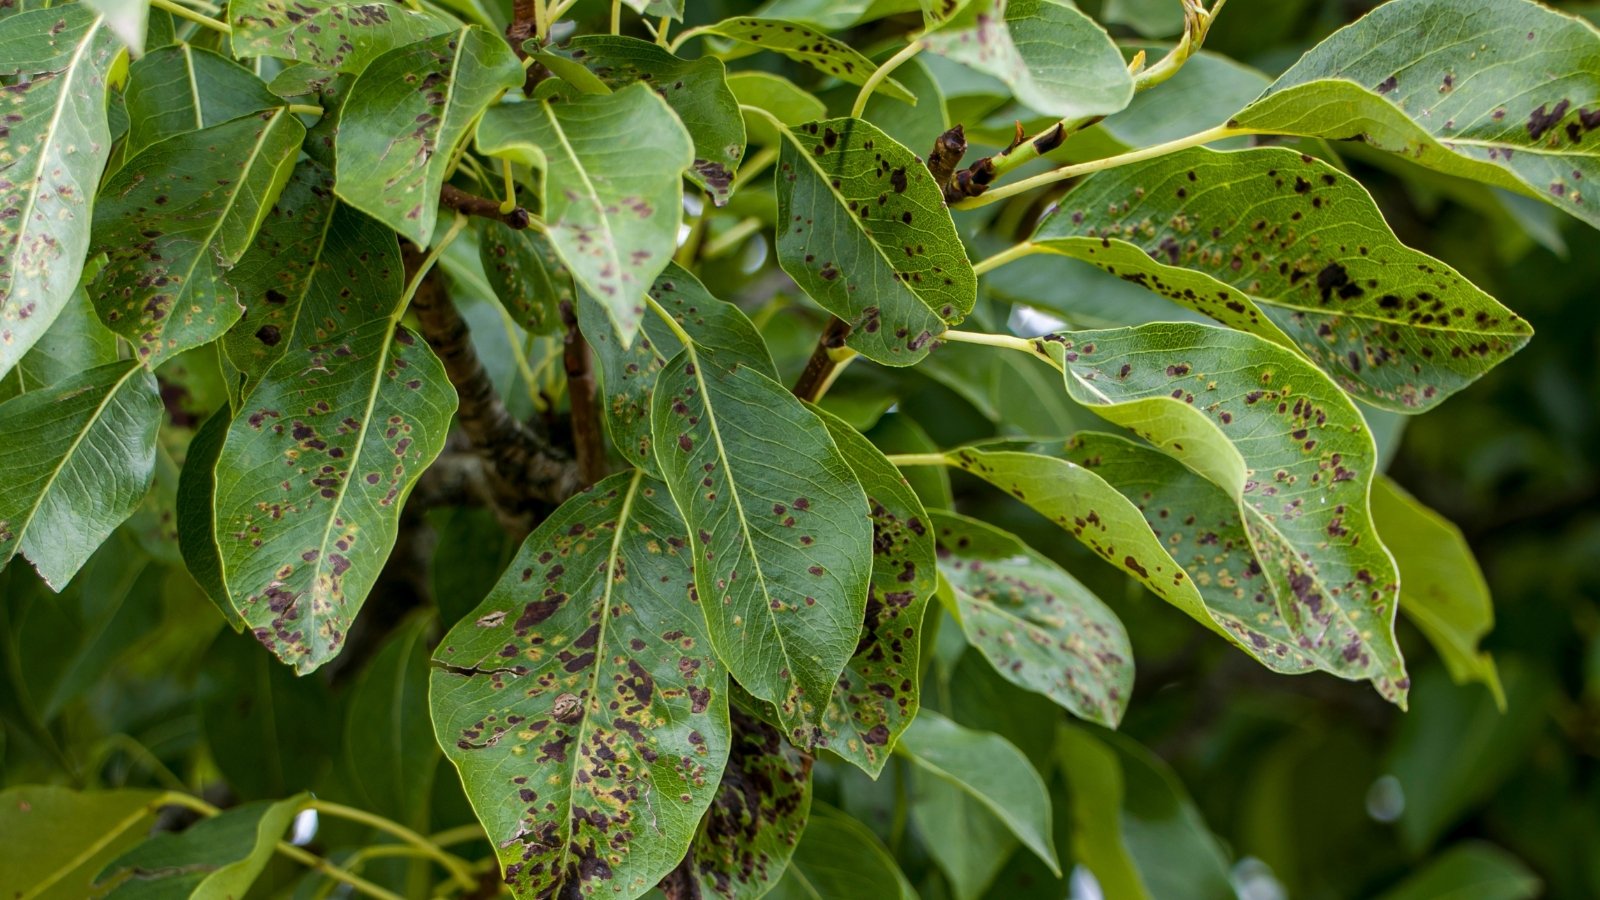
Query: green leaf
point(57, 142)
point(1291, 449)
point(1289, 248)
point(197, 534)
point(182, 88)
point(841, 859)
point(581, 701)
point(78, 459)
point(318, 267)
point(877, 695)
point(219, 856)
point(776, 95)
point(1206, 536)
point(672, 9)
point(723, 336)
point(58, 839)
point(527, 276)
point(1458, 86)
point(405, 116)
point(331, 34)
point(610, 179)
point(319, 87)
point(1442, 590)
point(750, 831)
point(388, 735)
point(696, 90)
point(807, 46)
point(126, 19)
point(991, 771)
point(175, 218)
point(1038, 627)
point(1206, 91)
point(1095, 776)
point(264, 727)
point(778, 527)
point(76, 341)
point(1151, 18)
point(1054, 58)
point(1471, 870)
point(974, 846)
point(864, 231)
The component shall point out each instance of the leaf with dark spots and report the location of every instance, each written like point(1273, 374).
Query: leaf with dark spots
point(78, 458)
point(527, 276)
point(1055, 59)
point(696, 90)
point(807, 46)
point(1037, 625)
point(760, 811)
point(175, 218)
point(1289, 248)
point(590, 735)
point(342, 36)
point(722, 333)
point(181, 88)
point(783, 595)
point(1288, 446)
point(57, 140)
point(863, 230)
point(302, 525)
point(318, 268)
point(1457, 86)
point(405, 116)
point(612, 219)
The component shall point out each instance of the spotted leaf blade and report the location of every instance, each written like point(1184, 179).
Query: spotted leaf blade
point(331, 34)
point(809, 47)
point(778, 524)
point(696, 90)
point(1057, 60)
point(1038, 627)
point(581, 701)
point(723, 336)
point(311, 478)
point(612, 217)
point(404, 117)
point(526, 275)
point(863, 230)
point(78, 458)
point(1292, 450)
point(1501, 91)
point(878, 693)
point(175, 218)
point(57, 140)
point(1289, 248)
point(1204, 532)
point(182, 88)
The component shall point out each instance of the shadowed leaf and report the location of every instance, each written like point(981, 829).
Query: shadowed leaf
point(219, 856)
point(527, 276)
point(841, 859)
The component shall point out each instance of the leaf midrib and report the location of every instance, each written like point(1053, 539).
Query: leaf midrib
point(593, 193)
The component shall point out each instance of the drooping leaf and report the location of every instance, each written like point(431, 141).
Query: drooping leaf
point(1500, 91)
point(723, 336)
point(172, 221)
point(182, 88)
point(877, 694)
point(58, 839)
point(263, 725)
point(527, 276)
point(1470, 869)
point(581, 701)
point(388, 736)
point(841, 859)
point(219, 856)
point(1054, 58)
point(346, 37)
point(1287, 247)
point(197, 534)
point(610, 168)
point(314, 470)
point(56, 143)
point(404, 117)
point(989, 769)
point(696, 90)
point(75, 342)
point(1094, 775)
point(672, 9)
point(318, 267)
point(1038, 627)
point(760, 811)
point(785, 100)
point(863, 230)
point(1291, 449)
point(1442, 590)
point(807, 46)
point(778, 526)
point(78, 458)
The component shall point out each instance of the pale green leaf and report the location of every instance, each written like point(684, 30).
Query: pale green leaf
point(863, 230)
point(220, 856)
point(331, 34)
point(774, 94)
point(404, 118)
point(58, 839)
point(672, 9)
point(56, 143)
point(182, 88)
point(807, 46)
point(974, 844)
point(126, 19)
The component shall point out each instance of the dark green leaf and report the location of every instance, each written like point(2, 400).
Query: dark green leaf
point(184, 88)
point(388, 736)
point(841, 859)
point(58, 839)
point(1470, 870)
point(263, 725)
point(328, 33)
point(527, 276)
point(216, 857)
point(807, 46)
point(864, 231)
point(197, 535)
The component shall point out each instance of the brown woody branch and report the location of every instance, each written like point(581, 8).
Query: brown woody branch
point(582, 396)
point(824, 361)
point(483, 207)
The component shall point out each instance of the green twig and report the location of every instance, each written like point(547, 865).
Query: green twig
point(184, 12)
point(453, 864)
point(879, 74)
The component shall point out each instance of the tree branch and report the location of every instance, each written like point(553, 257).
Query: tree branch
point(825, 361)
point(473, 205)
point(587, 437)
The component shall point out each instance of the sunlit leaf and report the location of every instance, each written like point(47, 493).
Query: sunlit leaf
point(807, 46)
point(777, 95)
point(331, 34)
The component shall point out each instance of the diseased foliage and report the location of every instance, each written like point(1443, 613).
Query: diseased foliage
point(680, 401)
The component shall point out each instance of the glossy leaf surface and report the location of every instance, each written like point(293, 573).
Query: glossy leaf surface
point(345, 37)
point(182, 88)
